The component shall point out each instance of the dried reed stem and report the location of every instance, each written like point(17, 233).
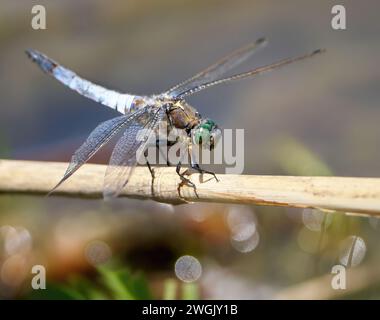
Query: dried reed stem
point(351, 195)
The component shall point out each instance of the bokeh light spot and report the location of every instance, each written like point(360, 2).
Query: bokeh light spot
point(313, 219)
point(247, 245)
point(97, 252)
point(353, 251)
point(188, 268)
point(13, 270)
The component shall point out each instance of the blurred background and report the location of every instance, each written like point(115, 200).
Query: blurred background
point(318, 117)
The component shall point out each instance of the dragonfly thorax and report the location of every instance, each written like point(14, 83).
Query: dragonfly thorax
point(203, 132)
point(183, 116)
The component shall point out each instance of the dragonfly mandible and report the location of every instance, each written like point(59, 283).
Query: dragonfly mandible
point(147, 112)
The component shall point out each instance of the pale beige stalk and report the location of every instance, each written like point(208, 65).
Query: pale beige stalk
point(356, 195)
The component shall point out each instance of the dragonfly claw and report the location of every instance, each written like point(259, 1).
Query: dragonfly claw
point(185, 180)
point(202, 171)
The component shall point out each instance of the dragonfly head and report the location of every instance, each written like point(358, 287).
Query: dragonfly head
point(206, 134)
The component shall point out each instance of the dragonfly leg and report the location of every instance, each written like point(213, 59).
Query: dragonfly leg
point(151, 170)
point(196, 167)
point(169, 119)
point(159, 143)
point(169, 143)
point(183, 178)
point(168, 129)
point(194, 163)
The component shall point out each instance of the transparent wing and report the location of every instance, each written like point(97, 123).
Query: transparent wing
point(98, 138)
point(217, 69)
point(115, 100)
point(247, 74)
point(128, 151)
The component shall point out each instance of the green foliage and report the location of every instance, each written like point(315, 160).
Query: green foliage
point(112, 282)
point(170, 289)
point(124, 285)
point(189, 291)
point(109, 283)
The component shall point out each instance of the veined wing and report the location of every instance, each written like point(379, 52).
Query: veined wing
point(129, 149)
point(247, 74)
point(113, 99)
point(97, 139)
point(217, 69)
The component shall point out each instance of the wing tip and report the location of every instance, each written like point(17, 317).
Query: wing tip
point(318, 51)
point(32, 54)
point(45, 63)
point(55, 187)
point(261, 40)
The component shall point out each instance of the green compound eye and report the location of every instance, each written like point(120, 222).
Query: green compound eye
point(210, 122)
point(208, 125)
point(201, 135)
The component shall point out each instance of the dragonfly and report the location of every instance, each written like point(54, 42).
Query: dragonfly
point(146, 113)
